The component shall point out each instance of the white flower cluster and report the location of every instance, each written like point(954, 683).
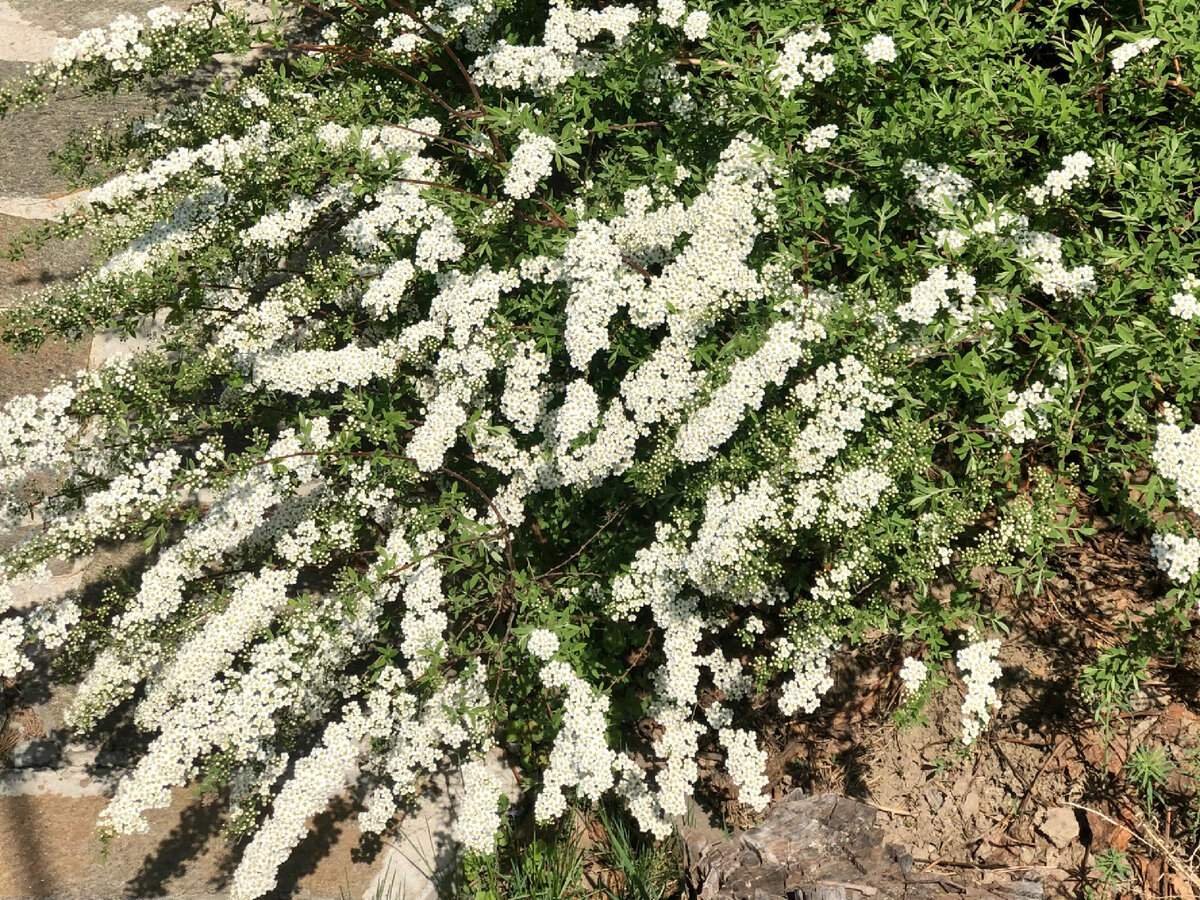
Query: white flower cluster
point(221, 155)
point(542, 644)
point(379, 807)
point(1184, 303)
point(255, 601)
point(293, 672)
point(316, 779)
point(477, 818)
point(580, 757)
point(401, 211)
point(747, 766)
point(840, 395)
point(942, 192)
point(404, 31)
point(382, 144)
point(1176, 454)
point(977, 662)
point(1127, 52)
point(532, 162)
point(671, 12)
point(597, 280)
point(880, 48)
point(523, 401)
point(36, 435)
point(188, 226)
point(47, 627)
point(279, 230)
point(1028, 416)
point(1074, 171)
point(459, 316)
point(449, 720)
point(233, 519)
point(424, 624)
point(855, 494)
point(730, 533)
point(383, 294)
point(1176, 555)
point(1043, 251)
point(798, 63)
point(838, 195)
point(932, 294)
point(820, 138)
point(811, 677)
point(305, 372)
point(541, 68)
point(122, 44)
point(913, 673)
point(695, 26)
point(708, 427)
point(939, 189)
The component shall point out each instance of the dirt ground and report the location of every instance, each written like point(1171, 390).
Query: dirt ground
point(1048, 790)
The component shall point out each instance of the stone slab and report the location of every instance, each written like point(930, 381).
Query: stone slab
point(69, 17)
point(22, 40)
point(50, 852)
point(419, 853)
point(42, 207)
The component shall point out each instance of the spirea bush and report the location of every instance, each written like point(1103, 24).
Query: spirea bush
point(579, 381)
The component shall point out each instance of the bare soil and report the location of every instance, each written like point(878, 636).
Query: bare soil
point(1046, 793)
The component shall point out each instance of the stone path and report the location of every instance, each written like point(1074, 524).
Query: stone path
point(51, 790)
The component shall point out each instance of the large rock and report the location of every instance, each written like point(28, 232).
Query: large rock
point(822, 847)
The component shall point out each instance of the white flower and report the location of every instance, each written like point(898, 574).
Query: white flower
point(1075, 171)
point(820, 138)
point(1178, 556)
point(1028, 415)
point(542, 643)
point(477, 818)
point(980, 670)
point(838, 195)
point(695, 26)
point(797, 63)
point(880, 48)
point(532, 161)
point(747, 766)
point(940, 190)
point(1177, 456)
point(1184, 303)
point(913, 673)
point(671, 11)
point(1122, 55)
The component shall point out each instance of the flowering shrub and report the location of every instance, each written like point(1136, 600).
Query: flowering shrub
point(532, 370)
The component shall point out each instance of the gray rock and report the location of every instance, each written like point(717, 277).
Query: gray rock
point(822, 847)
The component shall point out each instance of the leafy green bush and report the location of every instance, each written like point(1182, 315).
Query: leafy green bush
point(533, 372)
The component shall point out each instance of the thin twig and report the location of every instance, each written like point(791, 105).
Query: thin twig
point(1152, 841)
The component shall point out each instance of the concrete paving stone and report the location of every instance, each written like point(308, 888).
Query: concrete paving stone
point(419, 853)
point(109, 344)
point(69, 17)
point(22, 40)
point(51, 852)
point(40, 208)
point(27, 136)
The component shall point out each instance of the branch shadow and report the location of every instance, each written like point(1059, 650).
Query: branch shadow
point(198, 825)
